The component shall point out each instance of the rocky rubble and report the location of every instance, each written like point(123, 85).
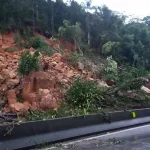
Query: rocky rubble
point(8, 74)
point(40, 90)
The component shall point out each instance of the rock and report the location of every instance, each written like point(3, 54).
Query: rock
point(145, 89)
point(36, 84)
point(84, 72)
point(29, 97)
point(16, 57)
point(57, 56)
point(20, 108)
point(70, 74)
point(28, 94)
point(4, 87)
point(80, 66)
point(13, 82)
point(64, 81)
point(54, 64)
point(102, 83)
point(12, 75)
point(130, 94)
point(11, 96)
point(5, 46)
point(5, 72)
point(48, 102)
point(1, 40)
point(43, 92)
point(110, 82)
point(1, 79)
point(2, 59)
point(148, 84)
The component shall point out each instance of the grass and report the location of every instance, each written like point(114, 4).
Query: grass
point(19, 98)
point(65, 110)
point(103, 106)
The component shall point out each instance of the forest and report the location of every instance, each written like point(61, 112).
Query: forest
point(105, 31)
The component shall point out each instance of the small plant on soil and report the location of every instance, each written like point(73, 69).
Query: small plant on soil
point(28, 63)
point(40, 45)
point(39, 42)
point(74, 58)
point(82, 93)
point(18, 40)
point(10, 50)
point(110, 70)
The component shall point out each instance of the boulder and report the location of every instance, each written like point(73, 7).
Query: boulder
point(12, 74)
point(13, 82)
point(48, 102)
point(57, 56)
point(102, 83)
point(11, 96)
point(1, 40)
point(80, 66)
point(43, 92)
point(2, 59)
point(145, 89)
point(39, 90)
point(110, 82)
point(20, 108)
point(3, 87)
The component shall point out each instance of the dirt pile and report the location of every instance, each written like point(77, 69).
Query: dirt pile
point(8, 74)
point(41, 90)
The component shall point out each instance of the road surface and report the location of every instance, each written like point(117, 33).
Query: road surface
point(137, 138)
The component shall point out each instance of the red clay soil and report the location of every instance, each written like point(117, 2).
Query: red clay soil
point(40, 90)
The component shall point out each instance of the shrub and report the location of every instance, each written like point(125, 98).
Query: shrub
point(110, 48)
point(110, 69)
point(40, 45)
point(28, 63)
point(74, 58)
point(18, 40)
point(46, 50)
point(129, 73)
point(39, 42)
point(82, 93)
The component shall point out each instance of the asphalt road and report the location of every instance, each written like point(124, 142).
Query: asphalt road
point(137, 138)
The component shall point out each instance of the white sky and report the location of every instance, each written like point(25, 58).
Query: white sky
point(138, 8)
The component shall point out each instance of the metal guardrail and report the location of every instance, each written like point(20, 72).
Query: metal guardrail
point(30, 134)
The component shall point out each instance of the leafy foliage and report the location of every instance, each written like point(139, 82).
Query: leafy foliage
point(129, 73)
point(28, 63)
point(74, 58)
point(110, 69)
point(82, 93)
point(72, 33)
point(18, 40)
point(38, 42)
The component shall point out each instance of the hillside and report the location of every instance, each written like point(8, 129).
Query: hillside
point(58, 72)
point(45, 89)
point(60, 58)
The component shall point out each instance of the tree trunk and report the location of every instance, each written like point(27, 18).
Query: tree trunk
point(88, 29)
point(52, 18)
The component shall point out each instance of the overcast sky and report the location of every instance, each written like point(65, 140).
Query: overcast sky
point(139, 8)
